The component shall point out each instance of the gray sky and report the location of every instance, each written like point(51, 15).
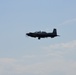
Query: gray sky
point(22, 55)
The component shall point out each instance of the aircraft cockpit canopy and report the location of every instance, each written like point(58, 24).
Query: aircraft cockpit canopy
point(40, 32)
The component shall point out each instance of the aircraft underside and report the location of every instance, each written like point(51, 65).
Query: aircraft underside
point(45, 37)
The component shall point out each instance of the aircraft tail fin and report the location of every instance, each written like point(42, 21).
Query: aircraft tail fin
point(54, 31)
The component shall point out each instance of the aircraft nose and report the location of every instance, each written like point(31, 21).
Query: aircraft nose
point(27, 33)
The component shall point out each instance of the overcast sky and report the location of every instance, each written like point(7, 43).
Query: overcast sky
point(22, 55)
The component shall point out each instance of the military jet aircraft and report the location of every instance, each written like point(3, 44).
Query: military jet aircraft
point(43, 34)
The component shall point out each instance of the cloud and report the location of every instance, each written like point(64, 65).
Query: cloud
point(68, 45)
point(68, 21)
point(7, 60)
point(61, 50)
point(6, 65)
point(29, 56)
point(51, 62)
point(46, 68)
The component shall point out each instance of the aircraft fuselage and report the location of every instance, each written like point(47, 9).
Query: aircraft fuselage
point(42, 34)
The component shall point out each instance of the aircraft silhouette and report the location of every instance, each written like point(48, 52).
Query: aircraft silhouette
point(43, 34)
